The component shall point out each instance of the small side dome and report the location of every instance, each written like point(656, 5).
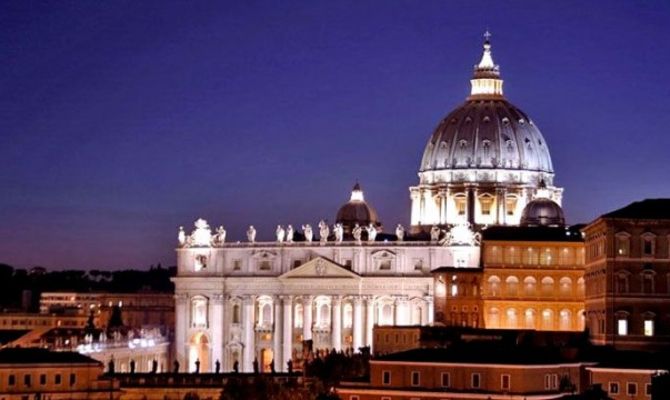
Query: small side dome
point(542, 212)
point(357, 210)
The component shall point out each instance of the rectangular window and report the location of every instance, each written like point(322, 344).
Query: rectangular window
point(647, 389)
point(353, 397)
point(445, 379)
point(264, 265)
point(386, 377)
point(237, 265)
point(547, 382)
point(57, 379)
point(347, 263)
point(622, 326)
point(631, 389)
point(43, 379)
point(614, 388)
point(505, 382)
point(73, 379)
point(648, 247)
point(475, 380)
point(27, 380)
point(648, 327)
point(385, 265)
point(11, 380)
point(416, 378)
point(460, 205)
point(486, 203)
point(418, 264)
point(554, 381)
point(297, 263)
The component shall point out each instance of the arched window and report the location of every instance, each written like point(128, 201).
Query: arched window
point(622, 282)
point(530, 286)
point(547, 256)
point(494, 286)
point(324, 315)
point(623, 244)
point(199, 312)
point(547, 286)
point(648, 281)
point(547, 320)
point(493, 318)
point(512, 319)
point(580, 286)
point(530, 256)
point(565, 286)
point(565, 320)
point(266, 314)
point(529, 319)
point(348, 312)
point(386, 314)
point(512, 285)
point(648, 244)
point(297, 316)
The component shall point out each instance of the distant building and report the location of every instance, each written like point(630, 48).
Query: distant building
point(628, 275)
point(43, 374)
point(138, 310)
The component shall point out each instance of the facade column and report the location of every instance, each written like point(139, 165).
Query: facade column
point(249, 353)
point(430, 306)
point(287, 350)
point(416, 206)
point(307, 317)
point(424, 313)
point(277, 333)
point(336, 326)
point(369, 320)
point(217, 332)
point(498, 197)
point(503, 220)
point(181, 321)
point(358, 323)
point(471, 201)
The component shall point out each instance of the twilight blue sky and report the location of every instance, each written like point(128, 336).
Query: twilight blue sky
point(121, 120)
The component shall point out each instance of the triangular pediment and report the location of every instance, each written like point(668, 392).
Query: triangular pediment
point(320, 268)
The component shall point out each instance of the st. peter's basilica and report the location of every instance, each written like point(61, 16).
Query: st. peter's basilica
point(326, 287)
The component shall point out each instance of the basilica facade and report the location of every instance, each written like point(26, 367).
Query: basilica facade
point(261, 305)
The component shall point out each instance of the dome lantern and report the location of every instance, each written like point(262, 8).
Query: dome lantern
point(486, 80)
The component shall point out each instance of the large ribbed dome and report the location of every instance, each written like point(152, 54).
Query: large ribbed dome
point(487, 133)
point(483, 161)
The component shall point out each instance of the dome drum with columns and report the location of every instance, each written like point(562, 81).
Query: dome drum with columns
point(484, 160)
